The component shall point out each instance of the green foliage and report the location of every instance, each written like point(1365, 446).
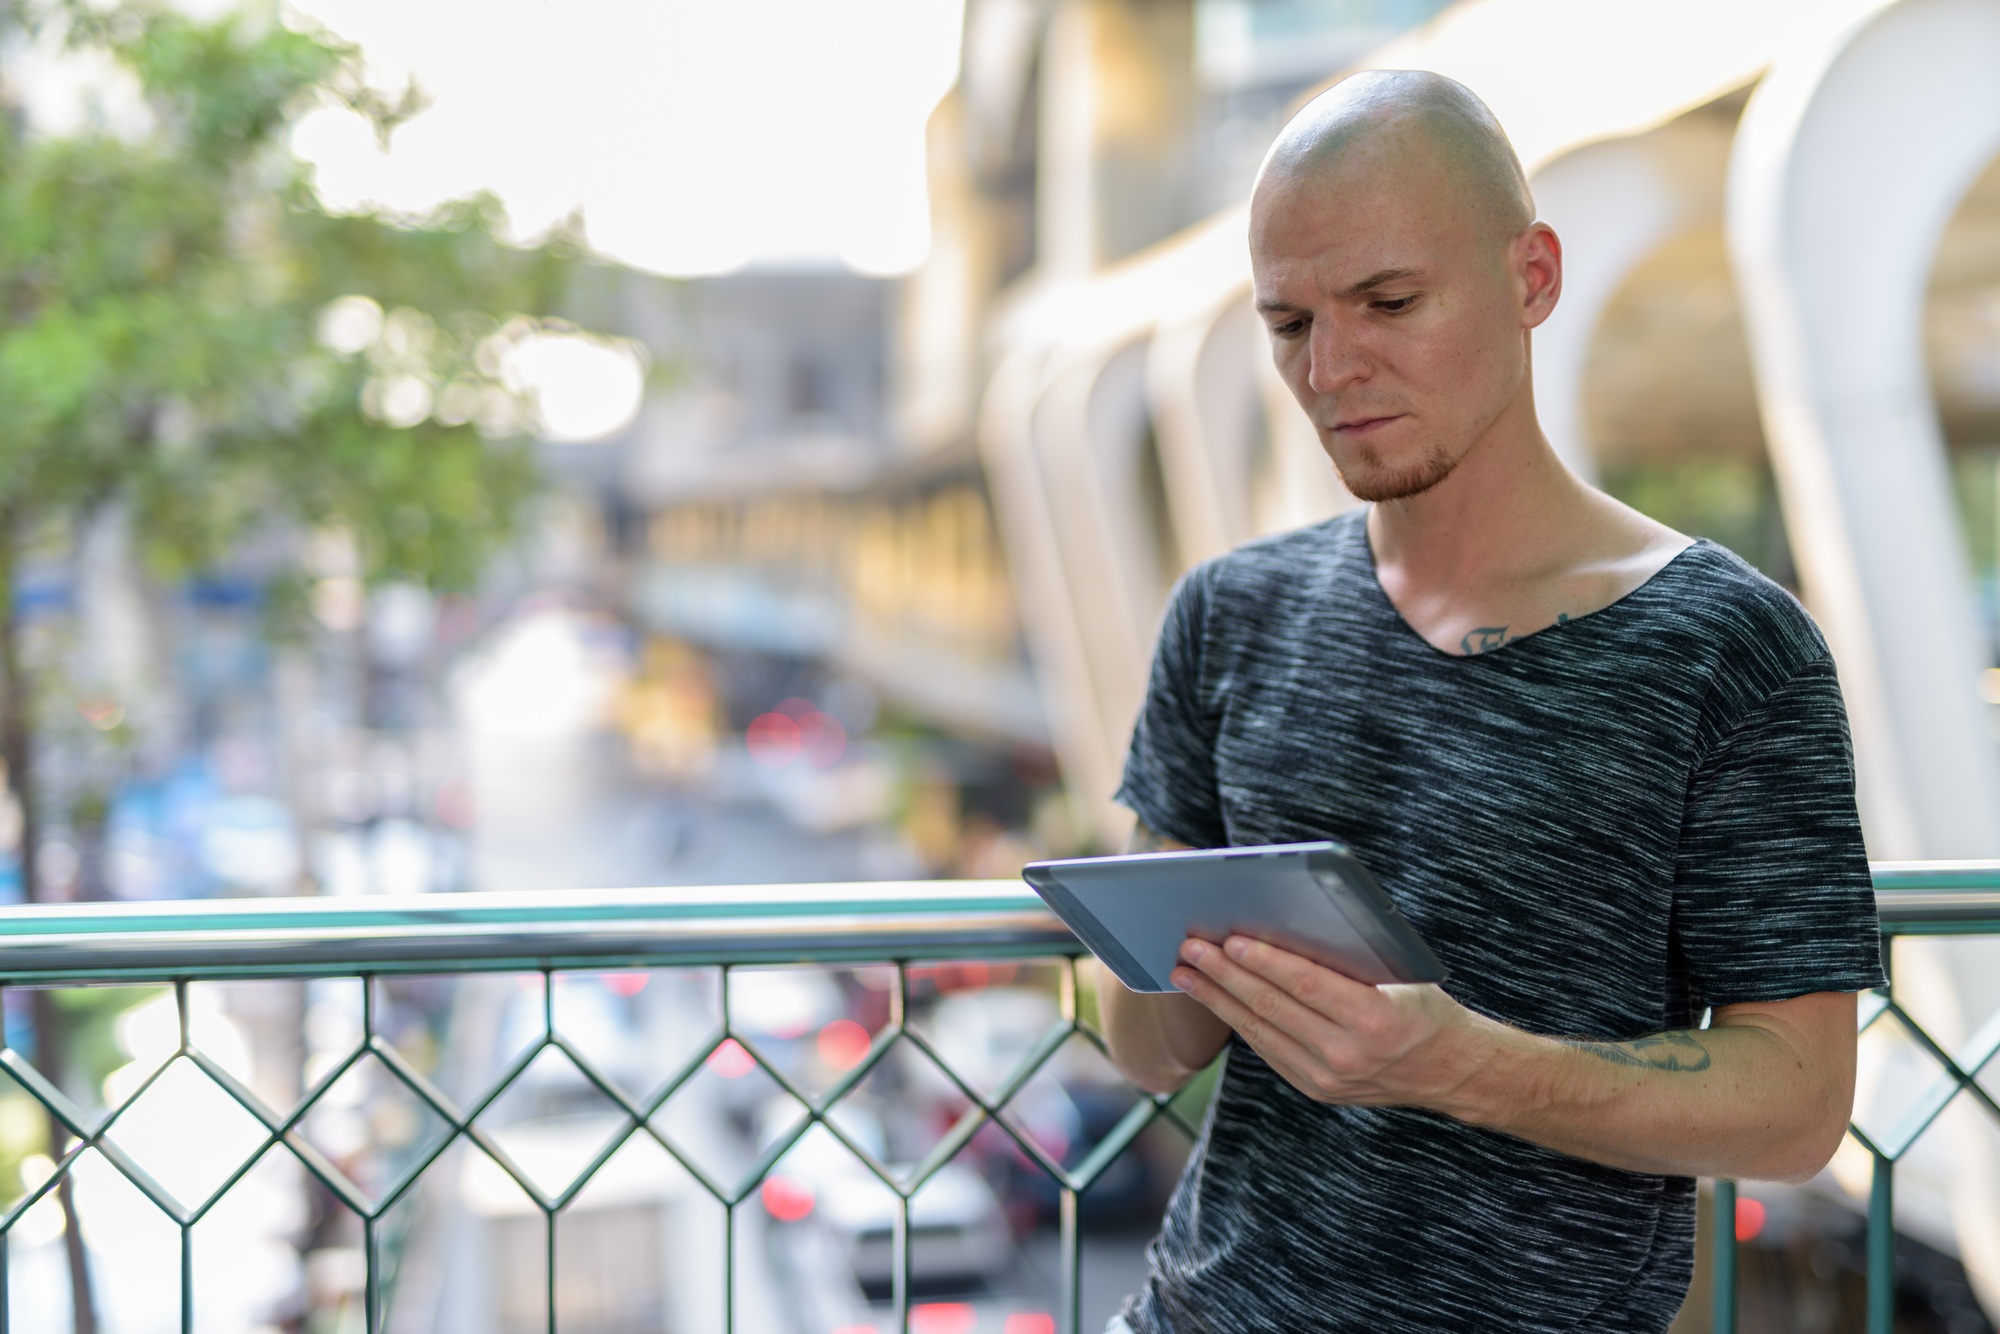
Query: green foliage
point(88, 1019)
point(1975, 476)
point(160, 299)
point(91, 1050)
point(165, 289)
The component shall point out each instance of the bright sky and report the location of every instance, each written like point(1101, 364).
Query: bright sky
point(696, 136)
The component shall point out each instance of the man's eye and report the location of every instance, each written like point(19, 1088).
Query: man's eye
point(1395, 305)
point(1289, 329)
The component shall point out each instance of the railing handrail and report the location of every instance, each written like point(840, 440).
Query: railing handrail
point(499, 932)
point(940, 919)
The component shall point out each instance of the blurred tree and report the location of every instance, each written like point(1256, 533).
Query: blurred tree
point(190, 343)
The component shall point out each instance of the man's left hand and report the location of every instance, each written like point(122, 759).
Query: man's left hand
point(1335, 1039)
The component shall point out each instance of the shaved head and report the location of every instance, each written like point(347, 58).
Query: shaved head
point(1399, 267)
point(1414, 120)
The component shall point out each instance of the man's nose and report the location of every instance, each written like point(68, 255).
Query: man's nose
point(1336, 360)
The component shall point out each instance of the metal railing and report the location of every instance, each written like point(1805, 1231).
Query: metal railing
point(732, 927)
point(1913, 899)
point(901, 924)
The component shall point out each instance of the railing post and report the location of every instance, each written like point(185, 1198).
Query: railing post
point(1722, 1233)
point(1071, 1263)
point(728, 1249)
point(1882, 1248)
point(901, 1279)
point(187, 1278)
point(371, 1271)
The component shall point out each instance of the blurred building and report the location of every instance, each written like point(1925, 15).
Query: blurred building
point(781, 513)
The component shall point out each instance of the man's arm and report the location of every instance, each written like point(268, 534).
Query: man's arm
point(1158, 1042)
point(1763, 1093)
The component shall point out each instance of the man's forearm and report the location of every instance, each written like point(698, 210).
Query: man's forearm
point(1738, 1099)
point(1160, 1041)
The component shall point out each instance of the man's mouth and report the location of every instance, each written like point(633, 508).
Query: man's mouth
point(1364, 425)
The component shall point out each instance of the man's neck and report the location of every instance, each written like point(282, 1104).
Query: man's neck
point(1510, 543)
point(1510, 510)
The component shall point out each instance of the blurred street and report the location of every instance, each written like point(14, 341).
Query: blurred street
point(460, 447)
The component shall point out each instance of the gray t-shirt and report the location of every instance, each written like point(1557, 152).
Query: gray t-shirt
point(1601, 829)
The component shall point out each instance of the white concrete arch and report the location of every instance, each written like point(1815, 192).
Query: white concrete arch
point(1241, 460)
point(1089, 432)
point(1613, 204)
point(1065, 434)
point(1847, 165)
point(1143, 357)
point(1050, 616)
point(1560, 74)
point(1202, 385)
point(1849, 161)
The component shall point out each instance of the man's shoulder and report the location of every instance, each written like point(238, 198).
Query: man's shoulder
point(1743, 631)
point(1721, 596)
point(1282, 566)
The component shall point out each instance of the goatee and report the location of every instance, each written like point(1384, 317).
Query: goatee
point(1372, 482)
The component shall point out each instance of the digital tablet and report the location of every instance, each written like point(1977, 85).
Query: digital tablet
point(1313, 899)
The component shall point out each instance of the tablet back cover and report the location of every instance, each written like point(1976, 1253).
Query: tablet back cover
point(1313, 899)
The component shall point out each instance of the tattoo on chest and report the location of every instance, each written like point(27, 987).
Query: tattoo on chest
point(1674, 1053)
point(1489, 637)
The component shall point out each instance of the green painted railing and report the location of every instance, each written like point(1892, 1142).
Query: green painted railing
point(730, 927)
point(183, 943)
point(1914, 899)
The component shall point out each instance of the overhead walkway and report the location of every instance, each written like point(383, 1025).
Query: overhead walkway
point(1133, 425)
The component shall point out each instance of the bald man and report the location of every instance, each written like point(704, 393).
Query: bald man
point(1603, 768)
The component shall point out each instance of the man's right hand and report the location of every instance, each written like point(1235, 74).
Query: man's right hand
point(1158, 1041)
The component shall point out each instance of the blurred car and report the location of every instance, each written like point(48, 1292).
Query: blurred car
point(1066, 1109)
point(959, 1238)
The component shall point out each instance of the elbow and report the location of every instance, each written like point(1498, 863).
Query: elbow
point(1803, 1154)
point(1160, 1082)
point(1791, 1096)
point(1157, 1078)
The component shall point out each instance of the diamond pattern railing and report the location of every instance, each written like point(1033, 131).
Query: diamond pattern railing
point(1915, 899)
point(283, 1131)
point(945, 929)
point(732, 930)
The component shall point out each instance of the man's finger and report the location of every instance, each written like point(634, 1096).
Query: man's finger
point(1330, 993)
point(1281, 1051)
point(1261, 995)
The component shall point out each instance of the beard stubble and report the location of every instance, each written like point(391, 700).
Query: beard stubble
point(1373, 481)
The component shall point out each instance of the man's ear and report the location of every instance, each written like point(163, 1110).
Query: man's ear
point(1538, 266)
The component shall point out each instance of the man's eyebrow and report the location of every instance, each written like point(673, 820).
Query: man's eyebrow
point(1382, 277)
point(1377, 279)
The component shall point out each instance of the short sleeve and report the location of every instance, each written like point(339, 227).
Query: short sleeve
point(1773, 897)
point(1170, 769)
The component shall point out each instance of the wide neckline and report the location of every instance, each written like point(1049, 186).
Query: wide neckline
point(1388, 604)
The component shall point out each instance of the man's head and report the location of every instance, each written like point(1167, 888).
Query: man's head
point(1399, 267)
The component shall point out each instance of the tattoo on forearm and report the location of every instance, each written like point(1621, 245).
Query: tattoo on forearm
point(1145, 840)
point(1674, 1053)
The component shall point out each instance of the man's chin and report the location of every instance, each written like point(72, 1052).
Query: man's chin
point(1374, 482)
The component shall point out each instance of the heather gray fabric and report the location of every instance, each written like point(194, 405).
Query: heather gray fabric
point(1602, 829)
